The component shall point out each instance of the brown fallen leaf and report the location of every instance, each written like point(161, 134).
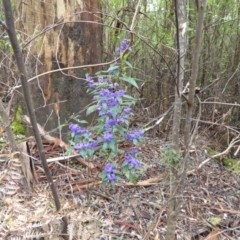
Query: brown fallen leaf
point(148, 182)
point(213, 235)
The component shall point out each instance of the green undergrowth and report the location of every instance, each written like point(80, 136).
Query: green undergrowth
point(17, 124)
point(229, 163)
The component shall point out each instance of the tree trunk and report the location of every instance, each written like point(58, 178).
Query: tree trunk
point(180, 11)
point(182, 31)
point(72, 36)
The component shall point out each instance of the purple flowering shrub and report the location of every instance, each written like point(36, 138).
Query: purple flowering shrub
point(113, 106)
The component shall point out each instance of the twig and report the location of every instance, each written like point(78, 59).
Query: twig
point(159, 120)
point(58, 141)
point(233, 142)
point(4, 25)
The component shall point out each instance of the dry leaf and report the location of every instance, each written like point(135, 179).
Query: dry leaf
point(213, 235)
point(157, 237)
point(57, 104)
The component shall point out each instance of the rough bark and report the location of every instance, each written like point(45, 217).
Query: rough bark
point(179, 183)
point(23, 77)
point(182, 40)
point(194, 71)
point(181, 23)
point(71, 36)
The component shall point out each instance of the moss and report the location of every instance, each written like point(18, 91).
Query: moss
point(229, 163)
point(17, 124)
point(215, 220)
point(212, 152)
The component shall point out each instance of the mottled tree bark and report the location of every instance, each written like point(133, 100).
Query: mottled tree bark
point(180, 177)
point(72, 36)
point(181, 23)
point(182, 36)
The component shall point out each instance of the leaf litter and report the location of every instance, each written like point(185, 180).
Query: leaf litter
point(209, 208)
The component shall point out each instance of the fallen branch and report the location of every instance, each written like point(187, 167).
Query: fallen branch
point(94, 183)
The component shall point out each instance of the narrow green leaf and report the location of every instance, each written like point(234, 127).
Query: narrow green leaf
point(113, 67)
point(91, 109)
point(129, 64)
point(129, 80)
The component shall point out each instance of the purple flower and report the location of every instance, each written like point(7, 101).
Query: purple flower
point(111, 122)
point(76, 129)
point(105, 93)
point(108, 137)
point(127, 110)
point(118, 51)
point(124, 44)
point(112, 102)
point(122, 119)
point(120, 93)
point(135, 134)
point(78, 146)
point(72, 127)
point(99, 108)
point(135, 163)
point(109, 168)
point(134, 151)
point(100, 79)
point(111, 177)
point(90, 135)
point(132, 161)
point(87, 145)
point(113, 85)
point(94, 143)
point(104, 113)
point(90, 81)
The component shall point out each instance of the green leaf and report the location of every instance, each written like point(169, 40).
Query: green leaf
point(69, 150)
point(113, 67)
point(124, 164)
point(119, 129)
point(103, 175)
point(114, 111)
point(113, 146)
point(130, 97)
point(127, 173)
point(133, 178)
point(83, 153)
point(91, 109)
point(129, 64)
point(129, 80)
point(82, 121)
point(105, 146)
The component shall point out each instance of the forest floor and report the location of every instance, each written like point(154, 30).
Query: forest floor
point(210, 206)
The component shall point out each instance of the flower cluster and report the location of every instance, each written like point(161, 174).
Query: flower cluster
point(123, 46)
point(132, 161)
point(90, 82)
point(110, 171)
point(111, 110)
point(86, 145)
point(114, 111)
point(85, 142)
point(76, 129)
point(134, 135)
